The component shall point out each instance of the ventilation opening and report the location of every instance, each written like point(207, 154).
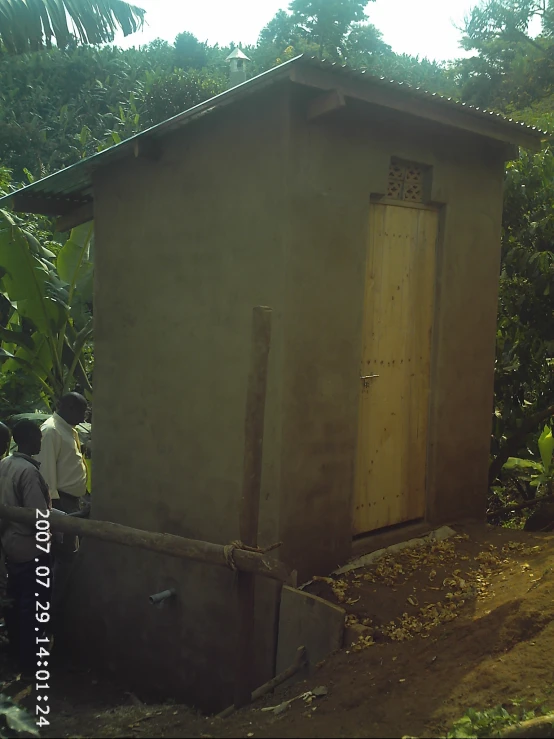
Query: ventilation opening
point(409, 181)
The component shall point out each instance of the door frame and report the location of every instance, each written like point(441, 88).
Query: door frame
point(430, 472)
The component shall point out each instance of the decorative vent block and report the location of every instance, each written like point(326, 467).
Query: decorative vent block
point(406, 181)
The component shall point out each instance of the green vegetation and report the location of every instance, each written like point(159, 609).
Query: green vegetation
point(490, 723)
point(541, 474)
point(60, 104)
point(47, 299)
point(15, 720)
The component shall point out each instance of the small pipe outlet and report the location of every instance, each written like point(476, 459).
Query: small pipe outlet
point(158, 598)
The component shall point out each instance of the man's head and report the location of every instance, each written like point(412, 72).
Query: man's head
point(28, 436)
point(73, 408)
point(5, 439)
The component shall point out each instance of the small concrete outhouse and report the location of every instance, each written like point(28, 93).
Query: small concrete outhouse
point(367, 215)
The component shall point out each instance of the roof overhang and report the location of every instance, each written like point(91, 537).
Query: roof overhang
point(68, 193)
point(406, 99)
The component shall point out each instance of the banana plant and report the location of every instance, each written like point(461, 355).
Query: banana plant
point(30, 26)
point(542, 474)
point(45, 298)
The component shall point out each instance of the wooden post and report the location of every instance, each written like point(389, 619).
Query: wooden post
point(250, 501)
point(169, 544)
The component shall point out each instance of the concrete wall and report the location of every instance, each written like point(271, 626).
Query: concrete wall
point(337, 163)
point(255, 205)
point(186, 247)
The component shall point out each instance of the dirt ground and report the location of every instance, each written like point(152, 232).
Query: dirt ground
point(464, 623)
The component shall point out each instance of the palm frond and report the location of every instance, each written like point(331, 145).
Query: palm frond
point(29, 25)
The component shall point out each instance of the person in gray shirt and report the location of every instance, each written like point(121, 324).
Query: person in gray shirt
point(5, 439)
point(22, 485)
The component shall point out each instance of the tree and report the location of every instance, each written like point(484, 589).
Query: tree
point(167, 95)
point(362, 44)
point(281, 31)
point(327, 22)
point(511, 70)
point(524, 393)
point(279, 41)
point(30, 26)
point(323, 28)
point(190, 53)
point(506, 20)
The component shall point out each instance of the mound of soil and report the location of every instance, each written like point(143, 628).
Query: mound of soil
point(465, 623)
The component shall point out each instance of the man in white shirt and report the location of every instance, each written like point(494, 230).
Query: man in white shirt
point(61, 461)
point(63, 467)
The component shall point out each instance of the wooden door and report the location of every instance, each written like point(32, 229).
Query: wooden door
point(398, 319)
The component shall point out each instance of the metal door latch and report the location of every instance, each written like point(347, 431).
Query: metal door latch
point(367, 378)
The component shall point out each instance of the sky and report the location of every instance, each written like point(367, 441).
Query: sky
point(424, 28)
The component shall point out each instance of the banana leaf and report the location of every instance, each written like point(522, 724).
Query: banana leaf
point(29, 26)
point(49, 300)
point(546, 448)
point(513, 463)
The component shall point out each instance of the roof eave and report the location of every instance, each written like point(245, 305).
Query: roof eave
point(413, 104)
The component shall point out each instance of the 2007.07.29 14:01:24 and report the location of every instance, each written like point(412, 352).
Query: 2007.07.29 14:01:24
point(43, 575)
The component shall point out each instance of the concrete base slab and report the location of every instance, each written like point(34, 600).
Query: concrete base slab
point(309, 621)
point(444, 532)
point(387, 537)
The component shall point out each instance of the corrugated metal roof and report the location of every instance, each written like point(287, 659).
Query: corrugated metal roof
point(420, 92)
point(72, 186)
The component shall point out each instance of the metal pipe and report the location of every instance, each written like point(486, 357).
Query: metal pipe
point(158, 598)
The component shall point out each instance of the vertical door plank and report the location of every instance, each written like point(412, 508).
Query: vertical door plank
point(396, 345)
